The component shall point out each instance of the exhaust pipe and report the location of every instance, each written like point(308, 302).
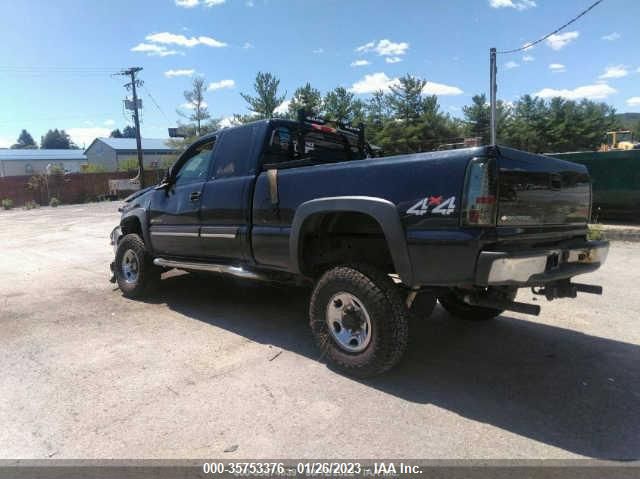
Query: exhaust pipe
point(236, 271)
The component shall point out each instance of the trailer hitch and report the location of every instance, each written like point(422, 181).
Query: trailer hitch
point(565, 289)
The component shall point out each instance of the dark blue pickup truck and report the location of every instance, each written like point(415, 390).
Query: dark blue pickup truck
point(379, 238)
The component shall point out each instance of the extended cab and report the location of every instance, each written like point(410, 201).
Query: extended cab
point(379, 238)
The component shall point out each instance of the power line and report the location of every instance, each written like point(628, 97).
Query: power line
point(530, 44)
point(55, 68)
point(156, 104)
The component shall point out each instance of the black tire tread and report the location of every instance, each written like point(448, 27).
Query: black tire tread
point(148, 274)
point(384, 297)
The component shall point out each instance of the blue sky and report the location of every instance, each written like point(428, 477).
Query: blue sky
point(56, 56)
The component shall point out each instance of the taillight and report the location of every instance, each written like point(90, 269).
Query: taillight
point(479, 203)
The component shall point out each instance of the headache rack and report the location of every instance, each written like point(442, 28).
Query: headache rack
point(310, 123)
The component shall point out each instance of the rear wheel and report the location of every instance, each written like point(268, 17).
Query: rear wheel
point(453, 303)
point(135, 272)
point(359, 320)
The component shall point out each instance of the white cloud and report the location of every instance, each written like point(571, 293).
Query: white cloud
point(154, 50)
point(387, 47)
point(561, 40)
point(615, 71)
point(177, 39)
point(228, 122)
point(634, 101)
point(249, 3)
point(393, 59)
point(319, 50)
point(247, 45)
point(380, 81)
point(360, 63)
point(5, 143)
point(84, 136)
point(597, 91)
point(283, 107)
point(191, 106)
point(611, 37)
point(366, 47)
point(195, 3)
point(527, 58)
point(109, 123)
point(511, 64)
point(187, 3)
point(218, 85)
point(384, 47)
point(373, 82)
point(517, 4)
point(440, 89)
point(557, 67)
point(179, 73)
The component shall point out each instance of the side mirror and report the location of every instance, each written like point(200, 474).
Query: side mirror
point(167, 181)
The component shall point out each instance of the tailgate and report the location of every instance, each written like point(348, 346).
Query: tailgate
point(540, 190)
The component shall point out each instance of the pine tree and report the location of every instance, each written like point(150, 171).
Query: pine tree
point(267, 98)
point(25, 141)
point(308, 98)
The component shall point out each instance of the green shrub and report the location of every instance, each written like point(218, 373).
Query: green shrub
point(54, 202)
point(7, 203)
point(30, 205)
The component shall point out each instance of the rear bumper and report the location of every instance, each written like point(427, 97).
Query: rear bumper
point(537, 267)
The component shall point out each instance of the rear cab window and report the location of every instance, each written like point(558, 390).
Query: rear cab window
point(320, 144)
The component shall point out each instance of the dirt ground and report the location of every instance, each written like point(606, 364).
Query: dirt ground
point(208, 366)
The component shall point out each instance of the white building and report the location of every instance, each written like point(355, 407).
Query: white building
point(30, 162)
point(112, 153)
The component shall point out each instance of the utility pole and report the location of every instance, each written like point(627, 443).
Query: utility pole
point(493, 90)
point(131, 72)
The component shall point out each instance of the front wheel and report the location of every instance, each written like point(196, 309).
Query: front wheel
point(359, 320)
point(135, 272)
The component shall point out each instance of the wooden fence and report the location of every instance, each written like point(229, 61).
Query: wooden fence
point(69, 189)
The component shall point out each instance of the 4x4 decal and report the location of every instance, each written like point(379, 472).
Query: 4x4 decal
point(434, 205)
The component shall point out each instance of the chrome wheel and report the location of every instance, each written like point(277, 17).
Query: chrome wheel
point(348, 322)
point(130, 266)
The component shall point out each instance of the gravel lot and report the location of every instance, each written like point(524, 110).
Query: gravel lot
point(208, 366)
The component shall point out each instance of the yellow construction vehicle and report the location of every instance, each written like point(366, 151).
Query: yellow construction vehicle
point(619, 140)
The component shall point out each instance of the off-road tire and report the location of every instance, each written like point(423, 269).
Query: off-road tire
point(388, 315)
point(148, 275)
point(455, 306)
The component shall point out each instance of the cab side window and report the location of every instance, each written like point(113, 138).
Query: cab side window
point(233, 155)
point(196, 166)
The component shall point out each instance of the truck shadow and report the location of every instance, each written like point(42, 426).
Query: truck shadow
point(574, 391)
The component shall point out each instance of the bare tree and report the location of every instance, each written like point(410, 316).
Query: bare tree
point(196, 104)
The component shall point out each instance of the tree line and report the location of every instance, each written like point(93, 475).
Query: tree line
point(56, 139)
point(401, 119)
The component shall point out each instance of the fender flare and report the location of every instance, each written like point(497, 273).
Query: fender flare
point(381, 210)
point(141, 215)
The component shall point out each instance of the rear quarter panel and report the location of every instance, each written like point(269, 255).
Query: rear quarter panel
point(408, 181)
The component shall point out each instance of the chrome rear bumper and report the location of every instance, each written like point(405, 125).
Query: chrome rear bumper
point(538, 267)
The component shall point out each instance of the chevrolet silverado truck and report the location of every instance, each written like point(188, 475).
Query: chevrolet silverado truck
point(380, 239)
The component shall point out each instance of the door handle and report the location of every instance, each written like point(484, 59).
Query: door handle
point(195, 195)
